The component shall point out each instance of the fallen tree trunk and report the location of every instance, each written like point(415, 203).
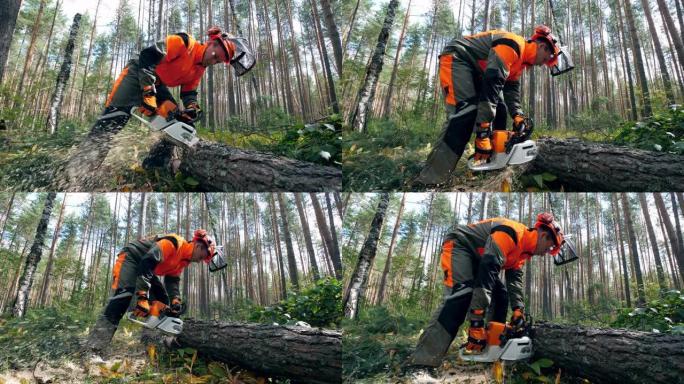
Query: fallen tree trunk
point(611, 355)
point(303, 354)
point(585, 166)
point(218, 167)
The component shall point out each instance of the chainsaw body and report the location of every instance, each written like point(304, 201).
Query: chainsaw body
point(502, 344)
point(160, 319)
point(509, 148)
point(177, 132)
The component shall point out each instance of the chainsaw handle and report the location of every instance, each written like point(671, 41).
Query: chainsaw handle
point(132, 318)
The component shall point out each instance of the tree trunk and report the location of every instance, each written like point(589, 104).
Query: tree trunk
point(641, 296)
point(664, 72)
point(395, 66)
point(303, 354)
point(653, 240)
point(24, 291)
point(671, 234)
point(333, 33)
point(8, 13)
point(143, 214)
point(219, 167)
point(586, 166)
point(62, 78)
point(42, 297)
point(638, 60)
point(359, 279)
point(388, 262)
point(611, 355)
point(291, 262)
point(364, 100)
point(666, 13)
point(326, 235)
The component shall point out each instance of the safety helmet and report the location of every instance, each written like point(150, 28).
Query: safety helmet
point(546, 220)
point(214, 256)
point(238, 52)
point(202, 236)
point(542, 32)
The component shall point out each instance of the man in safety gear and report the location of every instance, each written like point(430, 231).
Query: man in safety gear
point(471, 259)
point(136, 275)
point(480, 80)
point(178, 60)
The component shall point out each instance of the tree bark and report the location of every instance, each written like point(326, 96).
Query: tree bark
point(333, 33)
point(307, 236)
point(291, 262)
point(359, 279)
point(62, 77)
point(303, 354)
point(597, 167)
point(611, 355)
point(388, 262)
point(641, 296)
point(42, 297)
point(653, 240)
point(32, 260)
point(364, 100)
point(9, 14)
point(326, 234)
point(218, 167)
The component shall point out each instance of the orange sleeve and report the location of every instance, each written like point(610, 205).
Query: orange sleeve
point(174, 47)
point(504, 242)
point(167, 248)
point(507, 55)
point(191, 86)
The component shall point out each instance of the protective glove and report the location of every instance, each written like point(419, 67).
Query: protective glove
point(176, 306)
point(142, 308)
point(522, 126)
point(517, 320)
point(149, 103)
point(477, 335)
point(483, 145)
point(191, 113)
point(518, 123)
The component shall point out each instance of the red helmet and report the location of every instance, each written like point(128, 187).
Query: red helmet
point(544, 33)
point(546, 220)
point(223, 38)
point(202, 236)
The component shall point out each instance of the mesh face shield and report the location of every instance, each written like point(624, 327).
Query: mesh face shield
point(566, 254)
point(243, 60)
point(563, 63)
point(217, 262)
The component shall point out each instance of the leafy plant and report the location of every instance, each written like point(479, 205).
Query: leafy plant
point(320, 306)
point(665, 314)
point(663, 132)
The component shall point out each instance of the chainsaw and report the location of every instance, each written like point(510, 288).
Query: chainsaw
point(161, 319)
point(177, 132)
point(509, 148)
point(503, 343)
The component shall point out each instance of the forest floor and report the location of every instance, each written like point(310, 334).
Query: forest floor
point(39, 161)
point(44, 347)
point(392, 152)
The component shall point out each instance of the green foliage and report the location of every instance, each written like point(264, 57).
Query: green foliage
point(47, 334)
point(388, 154)
point(319, 306)
point(665, 314)
point(664, 131)
point(378, 341)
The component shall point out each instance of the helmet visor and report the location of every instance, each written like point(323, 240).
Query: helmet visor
point(566, 253)
point(244, 59)
point(563, 63)
point(217, 262)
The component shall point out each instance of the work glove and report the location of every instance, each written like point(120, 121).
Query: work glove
point(517, 321)
point(191, 113)
point(176, 306)
point(477, 335)
point(142, 308)
point(522, 126)
point(149, 103)
point(483, 145)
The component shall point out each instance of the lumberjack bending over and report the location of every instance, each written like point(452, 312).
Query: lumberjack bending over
point(137, 271)
point(480, 80)
point(178, 60)
point(472, 257)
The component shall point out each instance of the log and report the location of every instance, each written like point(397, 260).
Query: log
point(611, 355)
point(218, 167)
point(596, 167)
point(302, 354)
